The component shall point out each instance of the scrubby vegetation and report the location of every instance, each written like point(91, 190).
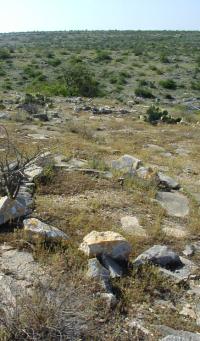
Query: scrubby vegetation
point(87, 99)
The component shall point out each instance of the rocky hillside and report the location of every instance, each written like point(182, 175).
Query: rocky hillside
point(99, 221)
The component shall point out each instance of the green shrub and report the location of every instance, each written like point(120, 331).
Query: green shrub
point(164, 58)
point(154, 114)
point(195, 85)
point(4, 54)
point(143, 92)
point(54, 62)
point(80, 81)
point(103, 56)
point(168, 84)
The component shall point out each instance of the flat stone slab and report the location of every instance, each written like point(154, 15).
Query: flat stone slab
point(19, 274)
point(131, 226)
point(176, 204)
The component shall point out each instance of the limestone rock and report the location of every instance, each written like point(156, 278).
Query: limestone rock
point(131, 226)
point(108, 242)
point(146, 173)
point(126, 163)
point(159, 255)
point(189, 250)
point(167, 182)
point(176, 204)
point(35, 226)
point(4, 116)
point(33, 171)
point(99, 273)
point(175, 232)
point(18, 274)
point(10, 209)
point(182, 336)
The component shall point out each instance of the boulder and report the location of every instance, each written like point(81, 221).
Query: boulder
point(109, 243)
point(160, 255)
point(131, 226)
point(176, 204)
point(35, 226)
point(11, 209)
point(126, 163)
point(167, 182)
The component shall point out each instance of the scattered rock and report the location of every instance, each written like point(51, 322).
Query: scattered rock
point(11, 209)
point(38, 136)
point(108, 242)
point(19, 274)
point(110, 299)
point(131, 226)
point(139, 325)
point(145, 173)
point(189, 250)
point(35, 226)
point(174, 232)
point(181, 273)
point(126, 163)
point(98, 272)
point(114, 268)
point(167, 182)
point(182, 336)
point(4, 116)
point(159, 255)
point(33, 171)
point(155, 147)
point(41, 116)
point(176, 204)
point(188, 311)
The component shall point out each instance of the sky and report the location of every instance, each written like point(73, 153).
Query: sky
point(54, 15)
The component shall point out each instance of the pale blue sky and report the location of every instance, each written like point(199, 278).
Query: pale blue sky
point(36, 15)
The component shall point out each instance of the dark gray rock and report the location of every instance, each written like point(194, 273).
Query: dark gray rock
point(159, 255)
point(110, 264)
point(181, 273)
point(167, 182)
point(41, 116)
